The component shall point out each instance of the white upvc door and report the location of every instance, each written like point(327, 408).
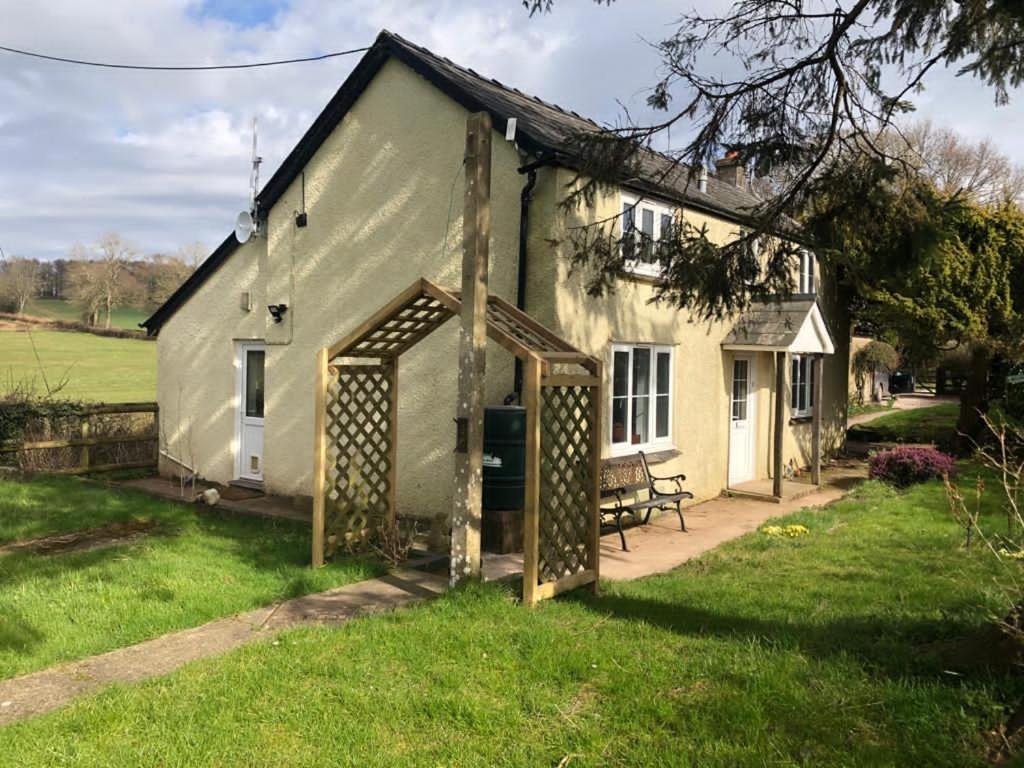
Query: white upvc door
point(251, 363)
point(742, 420)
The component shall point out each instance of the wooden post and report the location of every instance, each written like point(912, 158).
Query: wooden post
point(596, 435)
point(84, 460)
point(817, 369)
point(531, 490)
point(393, 445)
point(780, 420)
point(476, 230)
point(319, 456)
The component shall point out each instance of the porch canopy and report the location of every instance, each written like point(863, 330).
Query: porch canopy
point(794, 327)
point(357, 433)
point(797, 327)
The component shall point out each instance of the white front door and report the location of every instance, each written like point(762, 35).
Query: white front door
point(251, 363)
point(741, 422)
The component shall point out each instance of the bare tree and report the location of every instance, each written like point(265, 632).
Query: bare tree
point(19, 281)
point(103, 282)
point(957, 165)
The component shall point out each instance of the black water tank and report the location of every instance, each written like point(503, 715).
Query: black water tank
point(504, 457)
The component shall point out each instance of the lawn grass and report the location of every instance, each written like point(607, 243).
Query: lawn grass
point(97, 368)
point(127, 318)
point(813, 651)
point(196, 565)
point(934, 424)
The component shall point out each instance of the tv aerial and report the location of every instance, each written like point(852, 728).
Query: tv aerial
point(247, 222)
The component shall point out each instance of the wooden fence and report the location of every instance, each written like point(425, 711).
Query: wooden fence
point(95, 438)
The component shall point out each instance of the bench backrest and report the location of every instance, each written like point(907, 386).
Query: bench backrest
point(628, 473)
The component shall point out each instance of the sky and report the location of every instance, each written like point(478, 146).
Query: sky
point(163, 158)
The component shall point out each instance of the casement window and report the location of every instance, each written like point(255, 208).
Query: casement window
point(644, 224)
point(807, 272)
point(641, 417)
point(802, 387)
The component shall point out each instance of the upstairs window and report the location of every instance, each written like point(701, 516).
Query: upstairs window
point(645, 223)
point(807, 265)
point(641, 415)
point(802, 387)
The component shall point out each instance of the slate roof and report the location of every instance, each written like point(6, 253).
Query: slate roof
point(773, 326)
point(541, 128)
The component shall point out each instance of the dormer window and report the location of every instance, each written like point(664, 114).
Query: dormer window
point(645, 223)
point(807, 268)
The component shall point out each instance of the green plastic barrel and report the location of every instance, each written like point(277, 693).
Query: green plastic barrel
point(504, 457)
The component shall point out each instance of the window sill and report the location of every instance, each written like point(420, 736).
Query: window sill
point(802, 419)
point(653, 457)
point(642, 276)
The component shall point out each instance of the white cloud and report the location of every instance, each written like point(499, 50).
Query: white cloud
point(163, 158)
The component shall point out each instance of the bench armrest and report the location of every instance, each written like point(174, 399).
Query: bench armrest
point(676, 479)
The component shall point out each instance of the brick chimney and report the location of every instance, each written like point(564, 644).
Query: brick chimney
point(730, 169)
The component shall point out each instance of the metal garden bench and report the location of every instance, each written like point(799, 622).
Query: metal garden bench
point(622, 484)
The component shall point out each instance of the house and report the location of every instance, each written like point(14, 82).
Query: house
point(370, 200)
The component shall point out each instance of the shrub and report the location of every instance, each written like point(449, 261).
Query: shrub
point(906, 465)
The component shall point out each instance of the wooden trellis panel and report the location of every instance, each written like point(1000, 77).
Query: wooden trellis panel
point(561, 525)
point(359, 466)
point(566, 485)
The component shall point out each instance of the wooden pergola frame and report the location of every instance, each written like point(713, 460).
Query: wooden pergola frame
point(355, 458)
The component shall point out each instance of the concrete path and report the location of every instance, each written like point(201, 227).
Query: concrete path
point(908, 402)
point(654, 548)
point(42, 691)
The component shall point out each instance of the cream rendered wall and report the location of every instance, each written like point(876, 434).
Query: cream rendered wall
point(703, 371)
point(377, 196)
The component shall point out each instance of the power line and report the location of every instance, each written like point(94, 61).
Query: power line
point(191, 68)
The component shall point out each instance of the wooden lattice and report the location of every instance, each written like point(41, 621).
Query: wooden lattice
point(360, 406)
point(566, 483)
point(407, 326)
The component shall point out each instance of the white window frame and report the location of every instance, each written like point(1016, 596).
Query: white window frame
point(658, 209)
point(808, 270)
point(654, 443)
point(801, 371)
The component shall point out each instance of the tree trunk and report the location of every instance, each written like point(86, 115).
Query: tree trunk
point(974, 398)
point(109, 302)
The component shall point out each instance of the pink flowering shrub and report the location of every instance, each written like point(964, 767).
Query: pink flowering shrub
point(906, 465)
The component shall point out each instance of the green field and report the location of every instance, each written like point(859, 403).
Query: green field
point(58, 309)
point(96, 368)
point(194, 565)
point(827, 650)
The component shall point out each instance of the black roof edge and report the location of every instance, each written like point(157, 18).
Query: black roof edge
point(210, 265)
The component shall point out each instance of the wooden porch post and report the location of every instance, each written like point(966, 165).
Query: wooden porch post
point(476, 229)
point(531, 491)
point(780, 417)
point(596, 434)
point(319, 456)
point(393, 443)
point(817, 369)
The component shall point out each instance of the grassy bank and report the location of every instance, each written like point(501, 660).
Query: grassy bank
point(194, 565)
point(934, 424)
point(820, 651)
point(96, 368)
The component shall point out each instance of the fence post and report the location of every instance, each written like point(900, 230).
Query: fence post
point(84, 461)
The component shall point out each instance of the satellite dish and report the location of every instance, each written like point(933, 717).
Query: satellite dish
point(244, 227)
